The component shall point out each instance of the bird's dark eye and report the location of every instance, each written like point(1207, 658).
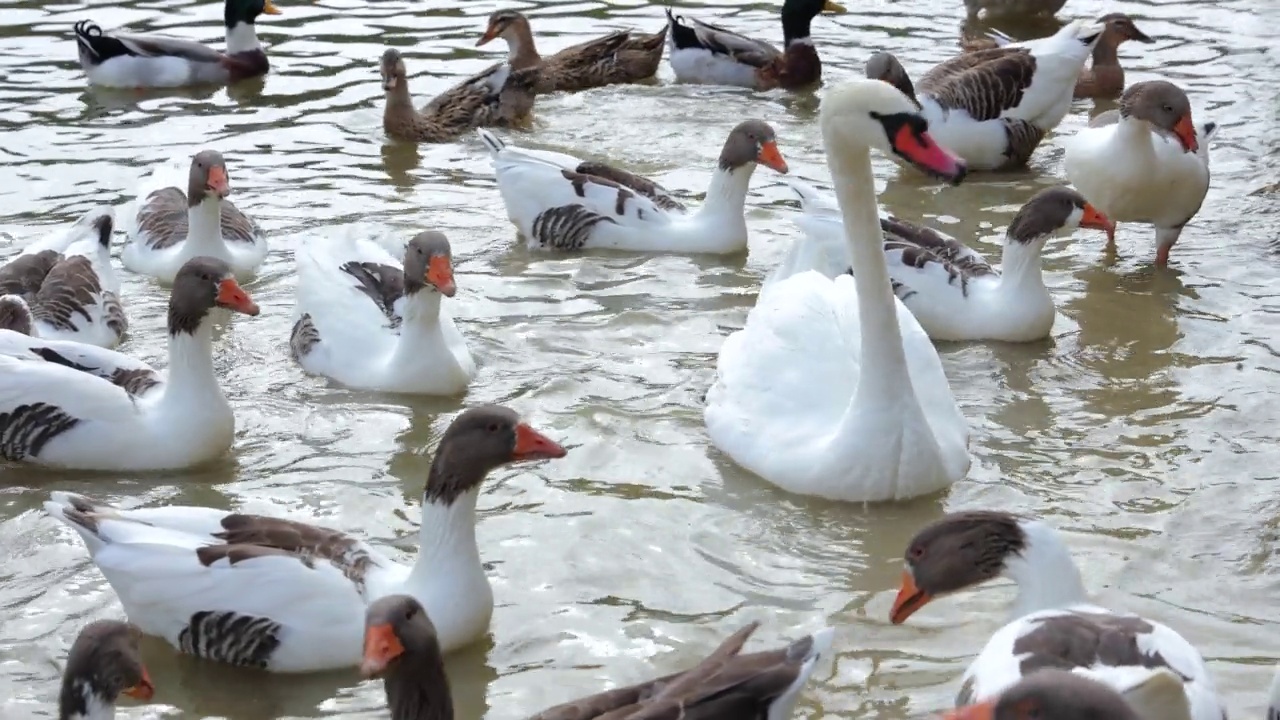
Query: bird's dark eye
point(409, 612)
point(917, 552)
point(493, 427)
point(1168, 108)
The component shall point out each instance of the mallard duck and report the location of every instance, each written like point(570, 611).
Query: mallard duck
point(711, 55)
point(993, 107)
point(159, 61)
point(497, 96)
point(104, 663)
point(402, 647)
point(619, 57)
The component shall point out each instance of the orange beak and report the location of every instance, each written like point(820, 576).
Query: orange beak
point(144, 690)
point(490, 33)
point(770, 155)
point(1186, 132)
point(1097, 221)
point(927, 155)
point(233, 297)
point(381, 646)
point(218, 182)
point(533, 445)
point(270, 8)
point(910, 599)
point(979, 711)
point(440, 274)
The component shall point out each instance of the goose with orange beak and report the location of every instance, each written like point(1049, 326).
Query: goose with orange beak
point(369, 320)
point(1146, 162)
point(104, 663)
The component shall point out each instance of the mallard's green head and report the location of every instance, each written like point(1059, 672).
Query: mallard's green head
point(247, 11)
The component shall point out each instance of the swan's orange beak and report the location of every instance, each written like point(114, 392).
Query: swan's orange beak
point(440, 274)
point(1097, 221)
point(533, 445)
point(144, 690)
point(921, 151)
point(910, 599)
point(233, 297)
point(1186, 132)
point(381, 646)
point(770, 155)
point(979, 711)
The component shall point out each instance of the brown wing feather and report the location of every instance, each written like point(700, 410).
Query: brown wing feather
point(641, 185)
point(69, 290)
point(163, 219)
point(251, 535)
point(26, 273)
point(985, 88)
point(384, 284)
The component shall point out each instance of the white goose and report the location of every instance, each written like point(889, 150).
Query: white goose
point(1146, 162)
point(71, 405)
point(993, 107)
point(1054, 625)
point(562, 203)
point(169, 226)
point(951, 289)
point(832, 389)
point(62, 287)
point(370, 321)
point(286, 596)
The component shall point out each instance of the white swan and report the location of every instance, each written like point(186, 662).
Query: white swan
point(832, 388)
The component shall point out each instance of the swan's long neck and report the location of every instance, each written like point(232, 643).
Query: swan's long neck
point(1046, 576)
point(727, 193)
point(204, 227)
point(241, 37)
point(884, 363)
point(1020, 265)
point(191, 381)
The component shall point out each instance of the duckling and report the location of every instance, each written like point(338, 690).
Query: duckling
point(499, 96)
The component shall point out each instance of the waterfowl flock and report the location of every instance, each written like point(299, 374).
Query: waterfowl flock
point(832, 388)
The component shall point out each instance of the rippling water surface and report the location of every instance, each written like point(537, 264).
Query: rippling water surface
point(1146, 429)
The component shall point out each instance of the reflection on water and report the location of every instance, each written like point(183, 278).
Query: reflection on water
point(1145, 427)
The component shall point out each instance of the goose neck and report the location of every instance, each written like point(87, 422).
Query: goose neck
point(1020, 264)
point(727, 192)
point(448, 553)
point(1046, 576)
point(191, 380)
point(418, 688)
point(204, 227)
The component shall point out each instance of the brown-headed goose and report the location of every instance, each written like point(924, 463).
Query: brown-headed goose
point(288, 596)
point(104, 663)
point(1051, 694)
point(66, 284)
point(993, 107)
point(1054, 625)
point(496, 96)
point(951, 289)
point(402, 647)
point(1146, 162)
point(182, 213)
point(559, 202)
point(372, 321)
point(70, 405)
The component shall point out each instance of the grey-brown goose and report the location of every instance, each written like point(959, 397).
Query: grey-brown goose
point(496, 97)
point(993, 107)
point(1006, 8)
point(104, 663)
point(1148, 694)
point(401, 647)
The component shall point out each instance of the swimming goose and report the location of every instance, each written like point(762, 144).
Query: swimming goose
point(168, 226)
point(559, 202)
point(700, 52)
point(1054, 625)
point(1144, 162)
point(287, 596)
point(63, 287)
point(497, 96)
point(1051, 694)
point(76, 406)
point(950, 288)
point(370, 321)
point(619, 57)
point(127, 60)
point(832, 388)
point(104, 663)
point(402, 647)
point(993, 107)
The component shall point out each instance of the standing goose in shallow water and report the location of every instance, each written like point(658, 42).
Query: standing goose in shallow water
point(370, 321)
point(288, 596)
point(832, 388)
point(104, 663)
point(170, 227)
point(993, 107)
point(496, 97)
point(951, 289)
point(559, 202)
point(402, 647)
point(1146, 162)
point(1054, 625)
point(63, 286)
point(126, 60)
point(708, 54)
point(76, 406)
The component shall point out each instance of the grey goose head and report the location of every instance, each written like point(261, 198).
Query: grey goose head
point(401, 647)
point(1165, 106)
point(750, 142)
point(428, 261)
point(502, 21)
point(104, 663)
point(479, 440)
point(1053, 210)
point(885, 67)
point(392, 69)
point(1054, 695)
point(202, 284)
point(208, 178)
point(16, 315)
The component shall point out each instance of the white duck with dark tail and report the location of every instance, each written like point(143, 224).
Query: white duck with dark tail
point(561, 203)
point(288, 596)
point(169, 225)
point(63, 287)
point(76, 406)
point(371, 321)
point(104, 663)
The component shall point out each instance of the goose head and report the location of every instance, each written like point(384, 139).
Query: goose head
point(202, 284)
point(1165, 106)
point(1054, 695)
point(750, 142)
point(1056, 209)
point(428, 261)
point(104, 663)
point(870, 113)
point(208, 178)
